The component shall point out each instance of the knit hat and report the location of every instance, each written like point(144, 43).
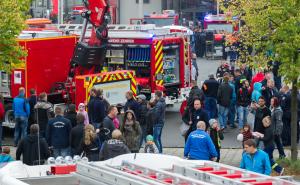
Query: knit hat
point(141, 96)
point(149, 138)
point(212, 121)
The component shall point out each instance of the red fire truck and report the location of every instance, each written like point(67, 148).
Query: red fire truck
point(161, 59)
point(220, 23)
point(168, 17)
point(46, 69)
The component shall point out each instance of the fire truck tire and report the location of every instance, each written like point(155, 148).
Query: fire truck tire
point(9, 119)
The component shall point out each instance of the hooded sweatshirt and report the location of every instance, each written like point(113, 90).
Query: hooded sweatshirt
point(113, 148)
point(5, 158)
point(160, 109)
point(28, 147)
point(256, 91)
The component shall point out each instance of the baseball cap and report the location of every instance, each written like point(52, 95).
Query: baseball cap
point(141, 96)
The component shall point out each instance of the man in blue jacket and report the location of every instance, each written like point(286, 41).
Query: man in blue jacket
point(21, 110)
point(58, 134)
point(199, 145)
point(255, 159)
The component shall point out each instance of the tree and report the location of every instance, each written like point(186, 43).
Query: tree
point(12, 16)
point(272, 25)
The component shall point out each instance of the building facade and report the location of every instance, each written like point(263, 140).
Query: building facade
point(128, 9)
point(191, 9)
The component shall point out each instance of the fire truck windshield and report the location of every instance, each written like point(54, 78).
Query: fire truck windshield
point(159, 21)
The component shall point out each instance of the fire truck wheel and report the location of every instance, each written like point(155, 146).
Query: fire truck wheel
point(9, 119)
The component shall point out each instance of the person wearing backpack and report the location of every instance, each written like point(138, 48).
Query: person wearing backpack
point(21, 110)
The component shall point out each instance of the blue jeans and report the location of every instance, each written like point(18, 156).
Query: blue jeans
point(231, 114)
point(61, 152)
point(274, 165)
point(157, 131)
point(20, 129)
point(243, 114)
point(223, 115)
point(210, 105)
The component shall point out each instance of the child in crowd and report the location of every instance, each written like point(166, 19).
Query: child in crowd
point(150, 146)
point(216, 135)
point(247, 134)
point(81, 110)
point(4, 156)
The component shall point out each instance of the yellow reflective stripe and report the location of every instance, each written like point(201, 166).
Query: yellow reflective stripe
point(92, 83)
point(158, 70)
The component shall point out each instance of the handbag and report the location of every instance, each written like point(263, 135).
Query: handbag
point(184, 128)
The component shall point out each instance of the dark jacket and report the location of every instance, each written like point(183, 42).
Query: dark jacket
point(224, 95)
point(160, 111)
point(76, 137)
point(195, 116)
point(195, 93)
point(243, 97)
point(260, 113)
point(276, 115)
point(216, 137)
point(98, 110)
point(90, 106)
point(150, 121)
point(221, 70)
point(70, 115)
point(142, 113)
point(28, 148)
point(92, 150)
point(210, 88)
point(113, 148)
point(106, 129)
point(285, 104)
point(239, 82)
point(269, 93)
point(43, 112)
point(32, 100)
point(268, 138)
point(133, 105)
point(58, 132)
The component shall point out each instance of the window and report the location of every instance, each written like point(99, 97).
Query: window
point(145, 1)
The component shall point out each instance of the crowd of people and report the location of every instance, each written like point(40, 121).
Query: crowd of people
point(225, 100)
point(96, 129)
point(100, 131)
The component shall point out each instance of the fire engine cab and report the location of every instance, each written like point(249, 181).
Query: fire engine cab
point(160, 59)
point(167, 18)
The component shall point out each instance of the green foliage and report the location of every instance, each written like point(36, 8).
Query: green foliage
point(13, 14)
point(292, 167)
point(270, 26)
